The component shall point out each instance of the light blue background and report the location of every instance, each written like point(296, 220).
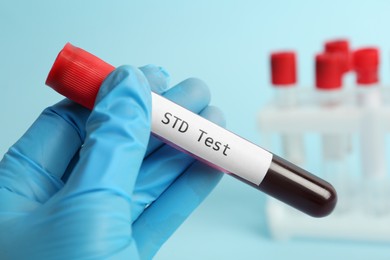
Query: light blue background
point(226, 43)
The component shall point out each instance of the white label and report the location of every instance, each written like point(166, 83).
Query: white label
point(208, 141)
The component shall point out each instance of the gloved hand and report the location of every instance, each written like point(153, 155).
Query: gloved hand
point(87, 185)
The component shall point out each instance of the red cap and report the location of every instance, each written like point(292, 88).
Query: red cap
point(328, 71)
point(366, 63)
point(341, 47)
point(283, 68)
point(78, 74)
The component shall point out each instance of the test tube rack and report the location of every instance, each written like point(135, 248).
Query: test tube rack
point(363, 211)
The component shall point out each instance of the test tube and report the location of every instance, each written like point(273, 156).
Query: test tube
point(372, 135)
point(78, 75)
point(335, 145)
point(329, 90)
point(366, 62)
point(284, 79)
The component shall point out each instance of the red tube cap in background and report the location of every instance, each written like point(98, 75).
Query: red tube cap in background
point(329, 71)
point(366, 65)
point(283, 68)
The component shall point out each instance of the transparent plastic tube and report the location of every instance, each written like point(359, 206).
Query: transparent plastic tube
point(334, 146)
point(292, 143)
point(372, 132)
point(372, 149)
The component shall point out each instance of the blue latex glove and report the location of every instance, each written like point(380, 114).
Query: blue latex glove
point(87, 185)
